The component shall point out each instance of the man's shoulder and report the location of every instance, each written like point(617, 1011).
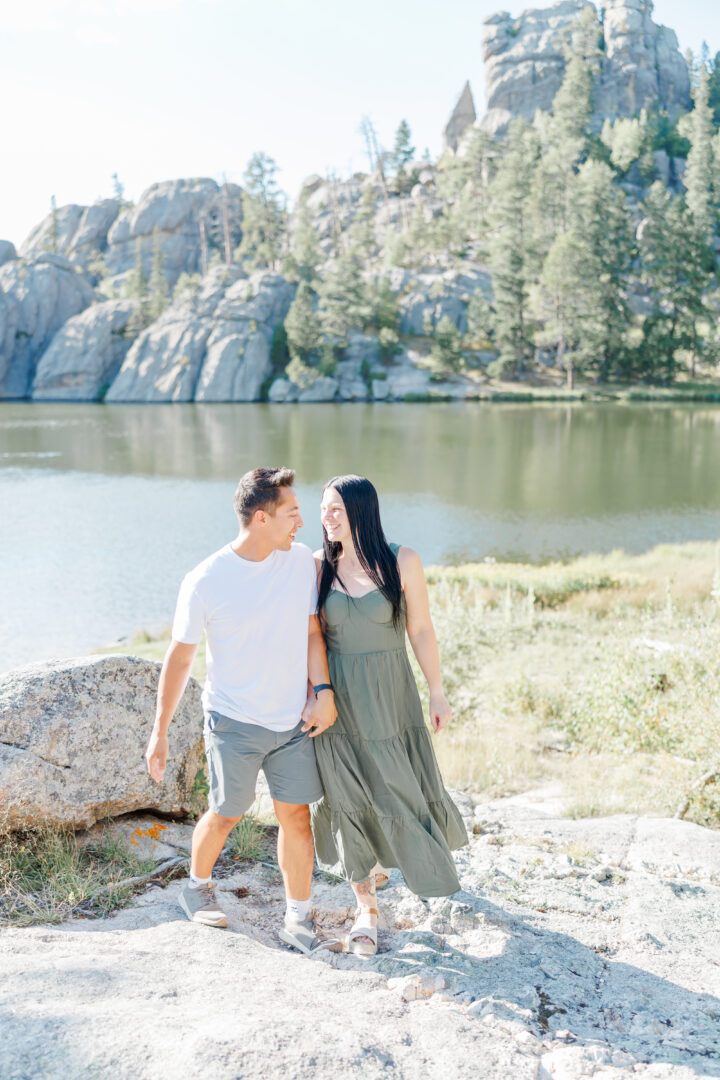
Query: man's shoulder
point(301, 552)
point(210, 566)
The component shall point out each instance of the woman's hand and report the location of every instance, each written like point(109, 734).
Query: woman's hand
point(440, 712)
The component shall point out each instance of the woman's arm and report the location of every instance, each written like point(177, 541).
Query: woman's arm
point(421, 632)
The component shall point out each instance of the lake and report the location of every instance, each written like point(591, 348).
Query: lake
point(104, 508)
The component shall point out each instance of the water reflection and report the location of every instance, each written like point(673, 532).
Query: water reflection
point(105, 507)
point(569, 459)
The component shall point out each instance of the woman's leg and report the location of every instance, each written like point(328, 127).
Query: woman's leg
point(367, 902)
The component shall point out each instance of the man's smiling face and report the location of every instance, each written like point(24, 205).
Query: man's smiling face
point(284, 521)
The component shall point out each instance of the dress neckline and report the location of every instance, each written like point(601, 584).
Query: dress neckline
point(351, 597)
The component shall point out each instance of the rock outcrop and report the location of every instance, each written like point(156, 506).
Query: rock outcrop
point(213, 347)
point(462, 117)
point(72, 739)
point(643, 65)
point(40, 294)
point(525, 62)
point(80, 231)
point(575, 948)
point(7, 251)
point(187, 215)
point(86, 354)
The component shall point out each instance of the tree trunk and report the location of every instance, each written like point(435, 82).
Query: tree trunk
point(570, 376)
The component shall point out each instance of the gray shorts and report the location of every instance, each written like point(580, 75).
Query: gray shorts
point(235, 754)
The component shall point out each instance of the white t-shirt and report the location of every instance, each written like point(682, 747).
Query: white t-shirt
point(255, 616)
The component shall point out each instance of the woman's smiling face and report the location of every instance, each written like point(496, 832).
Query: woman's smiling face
point(333, 516)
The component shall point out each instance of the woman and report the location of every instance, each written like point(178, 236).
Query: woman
point(384, 798)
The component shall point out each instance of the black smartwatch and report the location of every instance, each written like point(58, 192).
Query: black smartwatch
point(321, 686)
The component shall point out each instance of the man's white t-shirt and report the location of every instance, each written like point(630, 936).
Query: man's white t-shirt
point(255, 616)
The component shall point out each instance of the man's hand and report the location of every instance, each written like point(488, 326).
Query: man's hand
point(156, 755)
point(440, 712)
point(319, 713)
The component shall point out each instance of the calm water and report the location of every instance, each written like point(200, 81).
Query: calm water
point(105, 507)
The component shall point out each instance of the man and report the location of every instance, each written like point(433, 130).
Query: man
point(266, 697)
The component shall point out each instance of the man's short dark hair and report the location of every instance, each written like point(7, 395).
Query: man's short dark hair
point(260, 489)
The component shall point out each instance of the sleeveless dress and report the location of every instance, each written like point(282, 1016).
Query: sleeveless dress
point(384, 796)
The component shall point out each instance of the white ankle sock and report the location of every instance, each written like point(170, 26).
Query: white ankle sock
point(198, 882)
point(297, 910)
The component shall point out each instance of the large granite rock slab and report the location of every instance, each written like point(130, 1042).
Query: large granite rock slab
point(425, 298)
point(643, 65)
point(86, 354)
point(525, 62)
point(82, 231)
point(575, 948)
point(41, 293)
point(213, 347)
point(72, 738)
point(179, 210)
point(7, 251)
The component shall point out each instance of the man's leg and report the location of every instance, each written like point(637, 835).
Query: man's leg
point(208, 840)
point(296, 853)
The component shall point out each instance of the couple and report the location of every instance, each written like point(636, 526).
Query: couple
point(308, 678)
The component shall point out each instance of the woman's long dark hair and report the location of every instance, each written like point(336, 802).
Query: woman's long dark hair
point(373, 551)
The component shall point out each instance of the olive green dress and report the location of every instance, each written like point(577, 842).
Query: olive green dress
point(384, 796)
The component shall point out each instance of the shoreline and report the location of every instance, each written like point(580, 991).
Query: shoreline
point(519, 393)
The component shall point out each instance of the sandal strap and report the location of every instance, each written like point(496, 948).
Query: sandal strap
point(364, 927)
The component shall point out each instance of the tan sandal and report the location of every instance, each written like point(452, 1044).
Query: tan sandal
point(381, 875)
point(363, 927)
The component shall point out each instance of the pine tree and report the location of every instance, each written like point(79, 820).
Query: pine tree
point(452, 229)
point(343, 300)
point(361, 235)
point(446, 351)
point(700, 164)
point(675, 257)
point(714, 88)
point(136, 288)
point(157, 286)
point(305, 256)
point(560, 300)
point(54, 232)
point(509, 246)
point(118, 189)
point(263, 216)
point(302, 325)
point(629, 140)
point(401, 156)
point(564, 134)
point(479, 320)
point(601, 220)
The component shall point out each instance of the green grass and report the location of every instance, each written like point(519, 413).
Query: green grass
point(246, 841)
point(600, 675)
point(46, 875)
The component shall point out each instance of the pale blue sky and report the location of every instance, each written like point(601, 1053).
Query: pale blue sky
point(156, 89)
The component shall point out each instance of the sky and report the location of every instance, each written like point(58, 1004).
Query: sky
point(158, 89)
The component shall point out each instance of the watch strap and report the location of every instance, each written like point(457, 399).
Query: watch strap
point(321, 686)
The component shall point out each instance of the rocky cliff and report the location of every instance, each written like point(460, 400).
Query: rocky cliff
point(524, 62)
point(69, 331)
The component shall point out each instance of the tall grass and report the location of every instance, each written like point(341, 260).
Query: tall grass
point(600, 676)
point(46, 875)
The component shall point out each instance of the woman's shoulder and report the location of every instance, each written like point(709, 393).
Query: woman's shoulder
point(406, 556)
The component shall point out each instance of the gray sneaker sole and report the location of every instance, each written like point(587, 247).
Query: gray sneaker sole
point(322, 945)
point(204, 918)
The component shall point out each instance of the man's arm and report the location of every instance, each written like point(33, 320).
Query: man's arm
point(319, 712)
point(173, 680)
